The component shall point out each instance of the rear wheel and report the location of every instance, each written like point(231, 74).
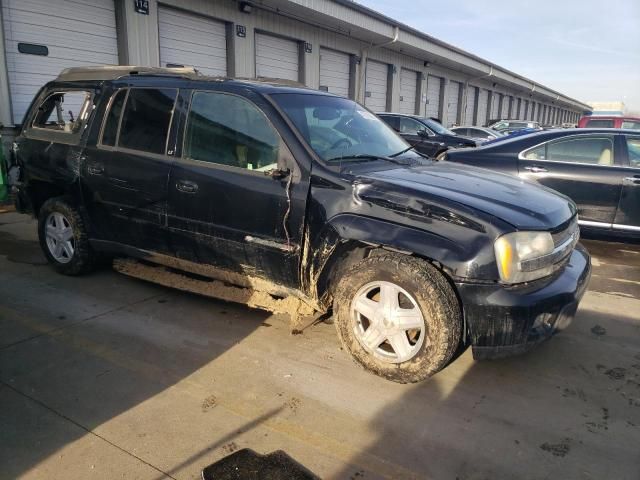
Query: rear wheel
point(398, 317)
point(63, 237)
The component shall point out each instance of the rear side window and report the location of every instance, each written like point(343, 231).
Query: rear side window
point(599, 124)
point(110, 132)
point(229, 130)
point(63, 111)
point(633, 147)
point(591, 150)
point(146, 119)
point(633, 125)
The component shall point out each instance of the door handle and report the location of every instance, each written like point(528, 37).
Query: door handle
point(634, 180)
point(185, 186)
point(536, 169)
point(95, 169)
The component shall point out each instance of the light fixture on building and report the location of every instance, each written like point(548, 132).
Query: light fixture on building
point(245, 7)
point(426, 64)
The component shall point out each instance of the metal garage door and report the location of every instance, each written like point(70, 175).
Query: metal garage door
point(376, 80)
point(483, 101)
point(453, 95)
point(192, 40)
point(408, 91)
point(505, 107)
point(495, 101)
point(334, 72)
point(75, 34)
point(433, 96)
point(277, 57)
point(471, 105)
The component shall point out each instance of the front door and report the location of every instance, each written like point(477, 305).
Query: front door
point(628, 214)
point(124, 176)
point(228, 206)
point(583, 167)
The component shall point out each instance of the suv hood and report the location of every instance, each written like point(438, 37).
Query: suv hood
point(522, 204)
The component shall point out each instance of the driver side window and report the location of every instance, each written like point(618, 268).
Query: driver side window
point(410, 126)
point(229, 130)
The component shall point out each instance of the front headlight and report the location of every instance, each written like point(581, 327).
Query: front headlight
point(520, 254)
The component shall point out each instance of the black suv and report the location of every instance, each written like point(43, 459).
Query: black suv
point(298, 201)
point(426, 134)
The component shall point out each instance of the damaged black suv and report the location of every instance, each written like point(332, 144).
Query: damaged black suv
point(296, 201)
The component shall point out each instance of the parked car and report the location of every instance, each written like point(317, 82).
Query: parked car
point(598, 169)
point(481, 134)
point(306, 201)
point(425, 134)
point(597, 121)
point(508, 126)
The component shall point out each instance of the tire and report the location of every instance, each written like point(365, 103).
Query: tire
point(427, 302)
point(68, 228)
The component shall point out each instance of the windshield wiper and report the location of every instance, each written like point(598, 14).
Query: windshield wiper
point(368, 158)
point(412, 147)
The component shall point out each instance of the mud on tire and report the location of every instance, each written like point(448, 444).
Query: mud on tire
point(83, 258)
point(432, 295)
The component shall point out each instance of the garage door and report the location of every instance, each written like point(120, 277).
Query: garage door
point(453, 95)
point(334, 72)
point(505, 107)
point(375, 87)
point(75, 34)
point(495, 100)
point(482, 107)
point(277, 57)
point(471, 105)
point(433, 96)
point(192, 40)
point(408, 91)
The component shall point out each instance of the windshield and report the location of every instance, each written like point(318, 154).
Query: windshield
point(436, 127)
point(337, 128)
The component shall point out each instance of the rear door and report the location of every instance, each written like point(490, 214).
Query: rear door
point(628, 214)
point(124, 176)
point(225, 209)
point(586, 168)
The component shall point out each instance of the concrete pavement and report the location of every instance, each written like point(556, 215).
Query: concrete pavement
point(104, 376)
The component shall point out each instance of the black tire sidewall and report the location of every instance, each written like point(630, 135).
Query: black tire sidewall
point(435, 298)
point(82, 260)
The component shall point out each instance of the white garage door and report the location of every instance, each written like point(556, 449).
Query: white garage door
point(505, 107)
point(192, 40)
point(277, 57)
point(471, 105)
point(376, 80)
point(453, 94)
point(408, 91)
point(483, 101)
point(334, 72)
point(75, 34)
point(433, 96)
point(495, 99)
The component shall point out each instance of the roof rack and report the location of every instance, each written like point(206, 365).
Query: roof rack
point(112, 72)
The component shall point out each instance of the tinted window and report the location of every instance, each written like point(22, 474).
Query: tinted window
point(633, 125)
point(113, 118)
point(393, 122)
point(146, 119)
point(593, 150)
point(410, 126)
point(230, 130)
point(63, 111)
point(600, 124)
point(633, 146)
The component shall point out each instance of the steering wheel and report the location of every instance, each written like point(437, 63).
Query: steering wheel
point(347, 143)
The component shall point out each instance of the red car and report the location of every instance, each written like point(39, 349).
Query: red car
point(597, 121)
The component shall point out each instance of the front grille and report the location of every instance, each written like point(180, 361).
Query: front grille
point(561, 236)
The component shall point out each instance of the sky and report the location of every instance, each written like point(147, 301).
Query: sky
point(586, 49)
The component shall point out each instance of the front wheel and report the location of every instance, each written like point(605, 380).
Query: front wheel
point(63, 237)
point(398, 317)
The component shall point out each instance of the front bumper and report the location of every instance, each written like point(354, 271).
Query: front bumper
point(504, 321)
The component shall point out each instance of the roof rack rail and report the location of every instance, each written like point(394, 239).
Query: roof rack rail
point(112, 72)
